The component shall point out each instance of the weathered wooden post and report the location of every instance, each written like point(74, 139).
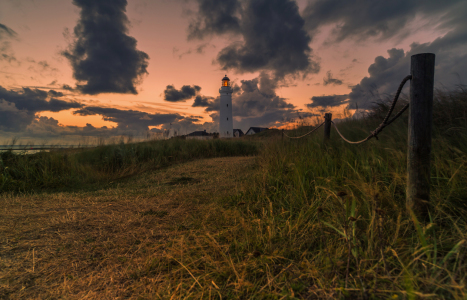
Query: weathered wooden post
point(282, 134)
point(327, 126)
point(420, 127)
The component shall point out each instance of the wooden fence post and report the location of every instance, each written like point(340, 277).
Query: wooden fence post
point(419, 140)
point(327, 126)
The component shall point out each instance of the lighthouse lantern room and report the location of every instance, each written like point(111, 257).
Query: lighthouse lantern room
point(226, 121)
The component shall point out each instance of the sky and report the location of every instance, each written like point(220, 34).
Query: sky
point(89, 69)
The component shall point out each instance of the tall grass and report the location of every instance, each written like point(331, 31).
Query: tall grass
point(330, 221)
point(61, 169)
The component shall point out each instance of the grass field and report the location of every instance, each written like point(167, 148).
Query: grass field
point(298, 220)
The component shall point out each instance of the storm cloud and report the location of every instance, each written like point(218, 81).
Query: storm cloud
point(186, 92)
point(328, 101)
point(18, 108)
point(378, 19)
point(385, 74)
point(274, 38)
point(215, 17)
point(210, 103)
point(103, 57)
point(383, 20)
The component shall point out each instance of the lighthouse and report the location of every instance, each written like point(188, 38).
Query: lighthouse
point(226, 121)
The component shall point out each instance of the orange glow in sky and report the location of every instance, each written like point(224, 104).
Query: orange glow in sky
point(44, 29)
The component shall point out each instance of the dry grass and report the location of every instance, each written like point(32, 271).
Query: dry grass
point(94, 245)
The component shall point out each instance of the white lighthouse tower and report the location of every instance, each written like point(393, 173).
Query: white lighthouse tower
point(226, 121)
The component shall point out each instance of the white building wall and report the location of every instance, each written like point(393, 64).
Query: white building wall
point(225, 119)
point(250, 132)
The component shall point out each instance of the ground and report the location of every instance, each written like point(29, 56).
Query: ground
point(91, 244)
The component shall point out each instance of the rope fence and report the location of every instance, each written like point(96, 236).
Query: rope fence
point(374, 134)
point(299, 137)
point(419, 131)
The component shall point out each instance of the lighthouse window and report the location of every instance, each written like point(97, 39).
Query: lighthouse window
point(227, 119)
point(227, 105)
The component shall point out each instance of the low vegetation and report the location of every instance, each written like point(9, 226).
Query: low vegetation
point(75, 168)
point(310, 220)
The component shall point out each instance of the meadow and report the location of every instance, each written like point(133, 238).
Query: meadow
point(261, 217)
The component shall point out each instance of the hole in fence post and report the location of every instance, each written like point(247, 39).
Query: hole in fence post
point(419, 135)
point(327, 126)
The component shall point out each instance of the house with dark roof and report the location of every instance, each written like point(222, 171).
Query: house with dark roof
point(238, 133)
point(199, 135)
point(254, 130)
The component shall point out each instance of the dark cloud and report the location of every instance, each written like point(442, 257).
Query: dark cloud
point(328, 101)
point(215, 17)
point(13, 119)
point(186, 92)
point(8, 58)
point(258, 97)
point(330, 80)
point(104, 58)
point(385, 74)
point(379, 19)
point(48, 128)
point(210, 103)
point(273, 35)
point(36, 100)
point(67, 87)
point(6, 31)
point(273, 39)
point(129, 119)
point(19, 108)
point(53, 93)
point(6, 34)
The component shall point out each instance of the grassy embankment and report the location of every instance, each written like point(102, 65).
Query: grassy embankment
point(318, 220)
point(330, 221)
point(71, 169)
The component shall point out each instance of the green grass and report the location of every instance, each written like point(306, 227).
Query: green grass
point(61, 169)
point(330, 221)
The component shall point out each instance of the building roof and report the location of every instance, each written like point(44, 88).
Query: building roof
point(257, 129)
point(225, 78)
point(198, 133)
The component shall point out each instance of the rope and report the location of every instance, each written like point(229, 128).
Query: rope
point(350, 142)
point(385, 121)
point(398, 114)
point(298, 137)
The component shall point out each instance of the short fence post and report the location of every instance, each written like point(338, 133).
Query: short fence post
point(282, 134)
point(327, 126)
point(419, 135)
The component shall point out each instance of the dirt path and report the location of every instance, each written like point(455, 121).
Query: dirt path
point(87, 245)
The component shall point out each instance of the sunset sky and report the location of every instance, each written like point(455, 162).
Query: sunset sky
point(103, 68)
